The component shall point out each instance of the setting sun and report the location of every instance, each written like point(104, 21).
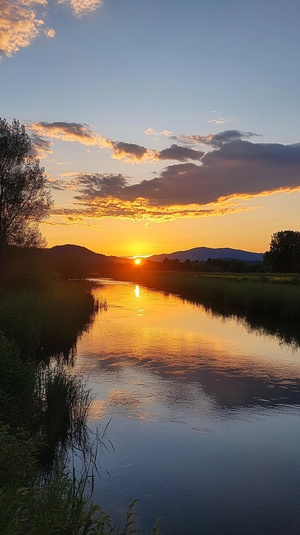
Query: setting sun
point(137, 261)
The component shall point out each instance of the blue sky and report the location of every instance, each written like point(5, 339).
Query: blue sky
point(127, 100)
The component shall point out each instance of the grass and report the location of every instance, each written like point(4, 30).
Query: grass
point(43, 414)
point(46, 322)
point(53, 505)
point(274, 295)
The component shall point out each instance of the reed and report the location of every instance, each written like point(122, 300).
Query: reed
point(46, 321)
point(274, 296)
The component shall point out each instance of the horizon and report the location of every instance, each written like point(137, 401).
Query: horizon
point(160, 126)
point(150, 255)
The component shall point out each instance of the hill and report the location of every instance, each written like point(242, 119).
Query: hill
point(203, 253)
point(75, 261)
point(76, 251)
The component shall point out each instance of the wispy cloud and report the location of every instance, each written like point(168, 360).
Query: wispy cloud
point(162, 133)
point(71, 132)
point(220, 120)
point(40, 146)
point(215, 140)
point(121, 150)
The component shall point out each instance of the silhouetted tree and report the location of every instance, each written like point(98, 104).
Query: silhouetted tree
point(284, 253)
point(24, 198)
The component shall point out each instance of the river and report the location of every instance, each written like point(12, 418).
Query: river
point(204, 416)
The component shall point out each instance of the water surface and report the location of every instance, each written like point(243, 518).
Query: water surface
point(205, 418)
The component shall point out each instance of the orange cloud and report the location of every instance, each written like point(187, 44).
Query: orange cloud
point(235, 171)
point(71, 132)
point(121, 150)
point(19, 26)
point(82, 7)
point(20, 23)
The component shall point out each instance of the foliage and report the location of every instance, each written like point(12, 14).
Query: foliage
point(284, 253)
point(24, 198)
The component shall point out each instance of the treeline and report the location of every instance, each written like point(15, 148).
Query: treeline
point(212, 265)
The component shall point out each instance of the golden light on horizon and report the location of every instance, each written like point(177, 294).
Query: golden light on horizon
point(137, 261)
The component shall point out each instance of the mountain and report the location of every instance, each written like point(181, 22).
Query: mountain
point(76, 251)
point(77, 261)
point(203, 253)
point(76, 255)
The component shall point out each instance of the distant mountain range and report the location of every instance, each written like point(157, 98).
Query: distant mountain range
point(203, 253)
point(93, 260)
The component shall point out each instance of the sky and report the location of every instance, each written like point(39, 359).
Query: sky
point(161, 125)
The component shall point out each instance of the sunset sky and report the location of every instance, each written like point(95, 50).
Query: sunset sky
point(161, 125)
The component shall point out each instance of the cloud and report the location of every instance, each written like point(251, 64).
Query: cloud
point(181, 154)
point(91, 186)
point(71, 132)
point(50, 33)
point(236, 168)
point(141, 210)
point(151, 132)
point(39, 146)
point(128, 152)
point(19, 25)
point(82, 7)
point(221, 120)
point(235, 171)
point(215, 140)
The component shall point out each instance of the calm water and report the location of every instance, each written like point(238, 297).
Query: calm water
point(205, 416)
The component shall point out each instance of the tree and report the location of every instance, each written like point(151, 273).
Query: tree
point(24, 197)
point(284, 253)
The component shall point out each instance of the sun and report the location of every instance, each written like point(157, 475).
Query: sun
point(137, 261)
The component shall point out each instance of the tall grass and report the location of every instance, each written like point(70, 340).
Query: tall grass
point(43, 411)
point(46, 322)
point(277, 297)
point(53, 505)
point(64, 403)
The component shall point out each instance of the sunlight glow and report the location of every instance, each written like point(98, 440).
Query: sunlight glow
point(137, 261)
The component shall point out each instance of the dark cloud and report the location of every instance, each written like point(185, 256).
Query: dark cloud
point(93, 186)
point(181, 154)
point(227, 136)
point(237, 168)
point(129, 151)
point(215, 140)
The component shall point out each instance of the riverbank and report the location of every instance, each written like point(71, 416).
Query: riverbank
point(44, 409)
point(277, 296)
